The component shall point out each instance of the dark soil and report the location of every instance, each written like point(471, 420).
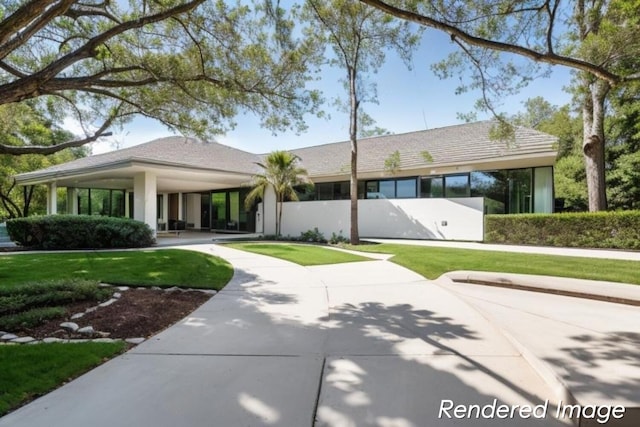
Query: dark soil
point(139, 312)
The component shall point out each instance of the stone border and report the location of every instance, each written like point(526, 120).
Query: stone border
point(7, 338)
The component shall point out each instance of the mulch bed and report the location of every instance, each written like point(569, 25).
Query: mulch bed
point(139, 312)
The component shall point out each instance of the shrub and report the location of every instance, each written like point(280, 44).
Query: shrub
point(30, 318)
point(312, 236)
point(614, 230)
point(79, 232)
point(25, 297)
point(338, 238)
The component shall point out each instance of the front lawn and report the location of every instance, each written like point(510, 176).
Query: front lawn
point(431, 262)
point(35, 287)
point(160, 267)
point(29, 371)
point(300, 254)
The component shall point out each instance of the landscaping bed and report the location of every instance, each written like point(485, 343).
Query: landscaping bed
point(137, 313)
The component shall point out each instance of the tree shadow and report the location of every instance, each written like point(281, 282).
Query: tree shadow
point(604, 366)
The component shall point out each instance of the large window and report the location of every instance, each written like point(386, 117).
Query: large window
point(432, 187)
point(492, 185)
point(402, 188)
point(97, 201)
point(520, 191)
point(406, 188)
point(456, 186)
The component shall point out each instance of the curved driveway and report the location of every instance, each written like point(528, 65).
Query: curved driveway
point(368, 343)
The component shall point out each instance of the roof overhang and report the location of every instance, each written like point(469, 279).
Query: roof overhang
point(171, 177)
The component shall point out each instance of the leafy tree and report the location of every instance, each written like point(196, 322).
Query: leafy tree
point(20, 124)
point(191, 64)
point(598, 39)
point(359, 36)
point(281, 172)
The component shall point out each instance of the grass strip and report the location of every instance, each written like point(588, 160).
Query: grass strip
point(432, 262)
point(306, 255)
point(29, 371)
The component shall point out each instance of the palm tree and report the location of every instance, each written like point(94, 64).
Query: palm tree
point(281, 172)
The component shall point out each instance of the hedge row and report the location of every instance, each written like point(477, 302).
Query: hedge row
point(79, 232)
point(616, 230)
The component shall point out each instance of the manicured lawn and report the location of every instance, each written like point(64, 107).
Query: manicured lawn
point(431, 262)
point(300, 254)
point(29, 371)
point(163, 267)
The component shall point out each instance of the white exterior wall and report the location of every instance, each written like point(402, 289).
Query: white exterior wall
point(194, 215)
point(436, 219)
point(267, 211)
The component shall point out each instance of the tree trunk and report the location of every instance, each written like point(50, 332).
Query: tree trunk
point(593, 111)
point(353, 132)
point(280, 202)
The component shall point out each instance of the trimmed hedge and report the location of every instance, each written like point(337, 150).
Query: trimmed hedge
point(79, 232)
point(611, 230)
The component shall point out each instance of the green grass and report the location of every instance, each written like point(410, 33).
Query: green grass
point(431, 262)
point(163, 267)
point(300, 254)
point(29, 371)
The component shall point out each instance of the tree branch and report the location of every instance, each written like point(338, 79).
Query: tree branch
point(547, 57)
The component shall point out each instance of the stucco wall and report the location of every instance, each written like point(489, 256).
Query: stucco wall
point(438, 219)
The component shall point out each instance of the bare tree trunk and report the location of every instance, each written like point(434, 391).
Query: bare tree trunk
point(353, 136)
point(593, 111)
point(280, 202)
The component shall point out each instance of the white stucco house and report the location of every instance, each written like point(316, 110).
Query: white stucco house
point(443, 182)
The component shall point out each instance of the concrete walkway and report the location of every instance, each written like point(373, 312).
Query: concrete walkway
point(367, 343)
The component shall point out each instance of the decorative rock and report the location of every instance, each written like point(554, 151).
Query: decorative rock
point(116, 295)
point(34, 342)
point(207, 291)
point(70, 326)
point(173, 289)
point(87, 330)
point(102, 334)
point(107, 303)
point(78, 341)
point(50, 340)
point(122, 288)
point(138, 340)
point(104, 285)
point(8, 337)
point(90, 309)
point(77, 316)
point(156, 288)
point(23, 340)
point(2, 333)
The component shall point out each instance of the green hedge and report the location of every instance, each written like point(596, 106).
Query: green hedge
point(615, 230)
point(79, 232)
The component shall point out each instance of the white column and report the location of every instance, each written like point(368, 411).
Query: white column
point(126, 204)
point(72, 201)
point(52, 199)
point(145, 199)
point(180, 208)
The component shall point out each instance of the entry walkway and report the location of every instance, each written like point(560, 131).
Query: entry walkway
point(366, 343)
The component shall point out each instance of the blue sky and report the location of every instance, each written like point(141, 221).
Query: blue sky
point(409, 100)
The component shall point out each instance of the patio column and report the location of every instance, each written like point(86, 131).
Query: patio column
point(145, 199)
point(180, 208)
point(72, 201)
point(52, 198)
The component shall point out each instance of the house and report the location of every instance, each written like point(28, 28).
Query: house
point(432, 184)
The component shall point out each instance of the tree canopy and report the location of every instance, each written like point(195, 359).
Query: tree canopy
point(191, 64)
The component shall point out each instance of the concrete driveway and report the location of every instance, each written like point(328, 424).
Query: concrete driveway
point(368, 343)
